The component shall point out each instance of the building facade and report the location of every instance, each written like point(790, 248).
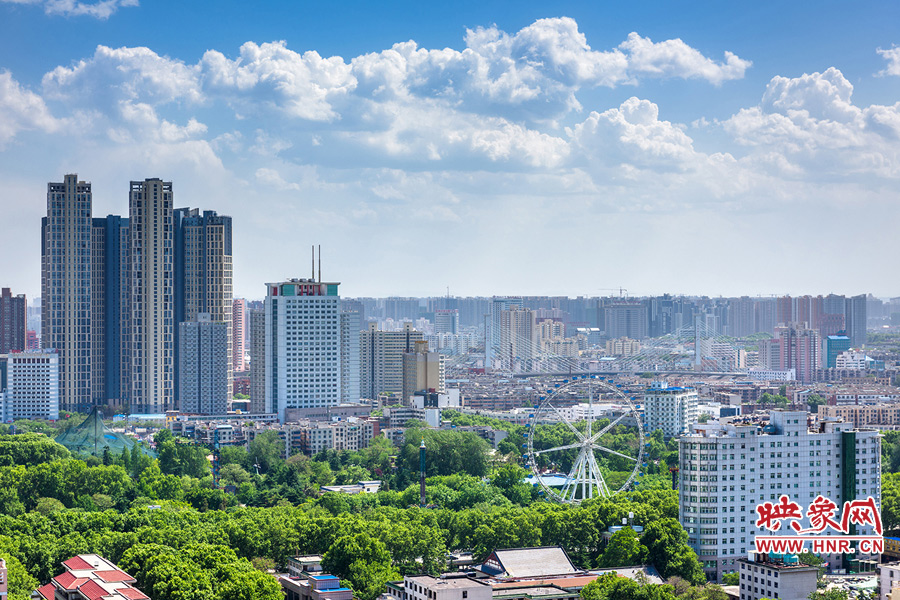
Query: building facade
point(66, 287)
point(671, 409)
point(727, 469)
point(764, 577)
point(202, 271)
point(381, 359)
point(257, 320)
point(350, 330)
point(203, 366)
point(33, 385)
point(152, 325)
point(13, 311)
point(239, 335)
point(422, 370)
point(303, 344)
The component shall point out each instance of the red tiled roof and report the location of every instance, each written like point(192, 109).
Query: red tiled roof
point(114, 575)
point(47, 591)
point(65, 580)
point(76, 563)
point(92, 590)
point(133, 593)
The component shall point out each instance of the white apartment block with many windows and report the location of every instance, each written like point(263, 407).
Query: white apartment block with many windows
point(672, 409)
point(303, 345)
point(727, 469)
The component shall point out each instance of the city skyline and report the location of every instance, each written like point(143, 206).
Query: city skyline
point(708, 150)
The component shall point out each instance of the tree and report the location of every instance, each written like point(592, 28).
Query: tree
point(624, 549)
point(265, 450)
point(667, 550)
point(20, 582)
point(363, 561)
point(814, 401)
point(232, 474)
point(731, 578)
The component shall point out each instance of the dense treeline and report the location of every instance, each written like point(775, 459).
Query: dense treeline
point(182, 536)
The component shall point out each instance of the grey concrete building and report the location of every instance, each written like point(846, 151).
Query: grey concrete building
point(203, 366)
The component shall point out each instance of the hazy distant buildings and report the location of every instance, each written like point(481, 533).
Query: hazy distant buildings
point(13, 318)
point(626, 319)
point(855, 311)
point(303, 344)
point(622, 347)
point(492, 328)
point(66, 287)
point(203, 382)
point(446, 320)
point(518, 339)
point(793, 347)
point(381, 359)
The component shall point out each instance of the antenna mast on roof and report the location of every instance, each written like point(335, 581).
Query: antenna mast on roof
point(320, 263)
point(313, 276)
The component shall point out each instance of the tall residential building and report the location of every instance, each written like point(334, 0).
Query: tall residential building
point(671, 409)
point(33, 385)
point(203, 366)
point(765, 313)
point(110, 315)
point(492, 327)
point(13, 311)
point(152, 330)
point(381, 359)
point(626, 319)
point(518, 339)
point(303, 344)
point(855, 311)
point(793, 347)
point(66, 287)
point(257, 320)
point(741, 317)
point(202, 274)
point(834, 346)
point(239, 335)
point(446, 320)
point(727, 469)
point(350, 329)
point(422, 370)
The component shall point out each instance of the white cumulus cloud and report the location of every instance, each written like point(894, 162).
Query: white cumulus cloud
point(892, 56)
point(102, 9)
point(21, 109)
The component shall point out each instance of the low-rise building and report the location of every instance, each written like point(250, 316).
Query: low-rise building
point(785, 579)
point(314, 587)
point(889, 580)
point(451, 586)
point(90, 577)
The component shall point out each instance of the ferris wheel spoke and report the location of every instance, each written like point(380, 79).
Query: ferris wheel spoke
point(562, 417)
point(605, 449)
point(567, 447)
point(612, 424)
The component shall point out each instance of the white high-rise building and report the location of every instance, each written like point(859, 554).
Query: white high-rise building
point(33, 385)
point(672, 409)
point(303, 345)
point(727, 469)
point(350, 329)
point(203, 366)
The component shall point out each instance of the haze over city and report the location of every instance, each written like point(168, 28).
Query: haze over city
point(571, 149)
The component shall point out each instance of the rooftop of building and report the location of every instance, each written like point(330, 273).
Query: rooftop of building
point(528, 562)
point(461, 582)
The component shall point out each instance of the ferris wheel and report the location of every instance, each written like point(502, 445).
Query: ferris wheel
point(594, 468)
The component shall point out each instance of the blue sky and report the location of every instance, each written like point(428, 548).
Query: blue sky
point(492, 147)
